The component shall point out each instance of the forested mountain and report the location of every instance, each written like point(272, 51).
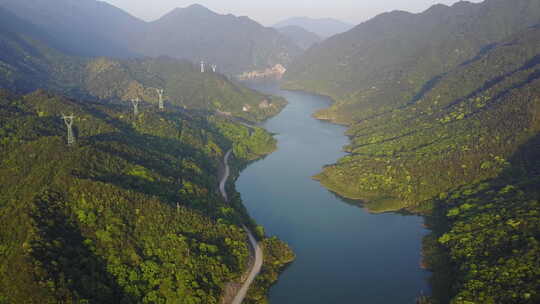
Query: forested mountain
point(484, 247)
point(95, 28)
point(443, 109)
point(388, 61)
point(84, 27)
point(302, 37)
point(27, 63)
point(129, 214)
point(235, 44)
point(394, 113)
point(466, 125)
point(323, 27)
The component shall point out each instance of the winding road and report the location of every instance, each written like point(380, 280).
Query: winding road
point(255, 248)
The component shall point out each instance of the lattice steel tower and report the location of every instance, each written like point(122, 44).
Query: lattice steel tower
point(68, 120)
point(161, 102)
point(135, 102)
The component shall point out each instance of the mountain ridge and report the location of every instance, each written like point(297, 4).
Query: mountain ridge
point(128, 212)
point(302, 37)
point(443, 110)
point(323, 27)
point(27, 63)
point(100, 29)
point(366, 65)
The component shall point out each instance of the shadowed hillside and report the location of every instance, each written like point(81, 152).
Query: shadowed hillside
point(28, 63)
point(95, 28)
point(128, 214)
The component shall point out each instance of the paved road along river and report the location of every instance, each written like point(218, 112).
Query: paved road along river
point(256, 250)
point(344, 254)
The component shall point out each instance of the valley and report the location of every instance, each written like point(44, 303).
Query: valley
point(204, 158)
point(442, 114)
point(339, 247)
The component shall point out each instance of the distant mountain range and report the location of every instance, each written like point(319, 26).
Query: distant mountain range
point(28, 62)
point(302, 37)
point(235, 44)
point(93, 28)
point(83, 27)
point(389, 60)
point(323, 27)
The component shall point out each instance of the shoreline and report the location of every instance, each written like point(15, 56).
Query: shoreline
point(324, 124)
point(256, 252)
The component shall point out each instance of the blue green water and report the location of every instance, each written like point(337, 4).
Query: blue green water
point(344, 254)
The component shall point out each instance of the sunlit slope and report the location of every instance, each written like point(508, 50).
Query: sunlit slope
point(444, 111)
point(461, 130)
point(389, 60)
point(129, 214)
point(27, 62)
point(485, 248)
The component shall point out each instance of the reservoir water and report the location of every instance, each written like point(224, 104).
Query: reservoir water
point(344, 254)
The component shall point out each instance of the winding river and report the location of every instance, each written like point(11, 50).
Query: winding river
point(344, 254)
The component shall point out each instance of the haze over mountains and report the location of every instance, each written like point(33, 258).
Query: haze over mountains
point(28, 62)
point(302, 37)
point(390, 78)
point(443, 110)
point(387, 60)
point(92, 28)
point(85, 27)
point(235, 44)
point(323, 27)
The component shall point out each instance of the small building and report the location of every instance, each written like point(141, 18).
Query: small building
point(265, 104)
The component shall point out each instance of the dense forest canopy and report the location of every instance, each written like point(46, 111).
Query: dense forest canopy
point(466, 126)
point(129, 213)
point(443, 110)
point(28, 63)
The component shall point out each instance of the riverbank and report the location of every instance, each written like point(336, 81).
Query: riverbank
point(343, 252)
point(263, 269)
point(256, 251)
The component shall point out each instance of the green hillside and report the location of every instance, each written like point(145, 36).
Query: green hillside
point(462, 130)
point(484, 247)
point(28, 63)
point(391, 59)
point(467, 153)
point(443, 110)
point(94, 28)
point(185, 86)
point(129, 214)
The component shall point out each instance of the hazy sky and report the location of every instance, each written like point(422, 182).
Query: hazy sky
point(269, 12)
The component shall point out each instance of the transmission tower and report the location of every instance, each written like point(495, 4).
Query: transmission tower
point(135, 102)
point(68, 120)
point(161, 102)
